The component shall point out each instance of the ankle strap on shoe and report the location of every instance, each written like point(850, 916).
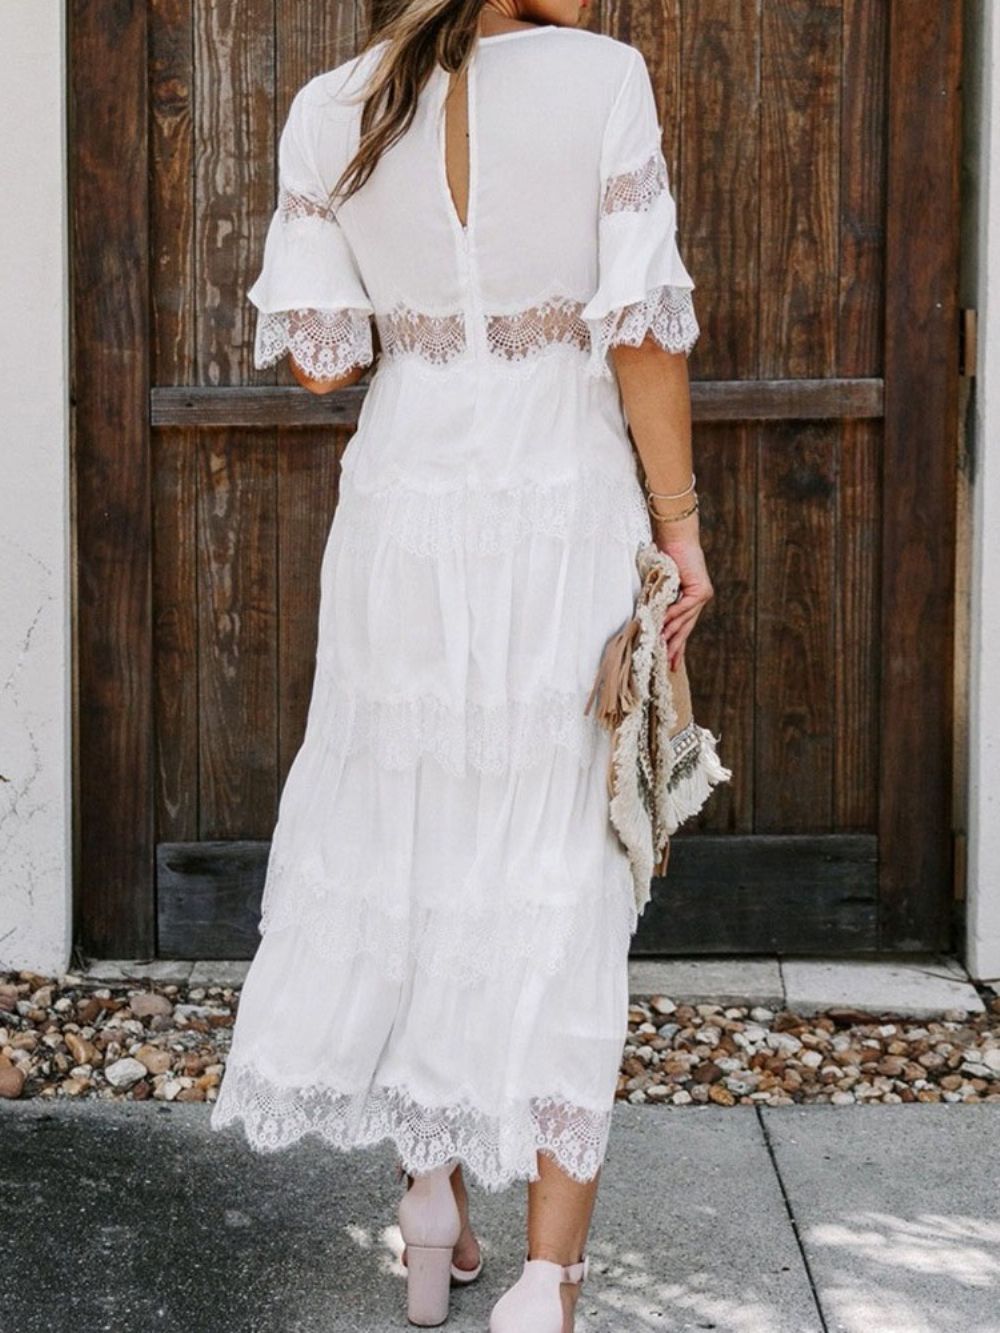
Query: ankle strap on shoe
point(576, 1273)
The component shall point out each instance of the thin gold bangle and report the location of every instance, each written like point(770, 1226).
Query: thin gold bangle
point(672, 518)
point(662, 495)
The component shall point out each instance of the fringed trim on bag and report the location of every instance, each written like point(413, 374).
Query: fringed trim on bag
point(693, 778)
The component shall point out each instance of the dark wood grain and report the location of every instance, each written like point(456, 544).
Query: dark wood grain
point(919, 474)
point(800, 173)
point(208, 898)
point(308, 471)
point(764, 894)
point(796, 507)
point(174, 455)
point(736, 400)
point(237, 615)
point(720, 651)
point(109, 250)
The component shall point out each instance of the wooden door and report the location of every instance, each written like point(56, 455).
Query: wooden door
point(813, 150)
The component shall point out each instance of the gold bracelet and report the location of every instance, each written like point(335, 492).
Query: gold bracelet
point(662, 495)
point(672, 518)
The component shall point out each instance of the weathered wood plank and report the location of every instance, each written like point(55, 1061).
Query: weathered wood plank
point(718, 193)
point(918, 472)
point(308, 472)
point(234, 178)
point(800, 145)
point(855, 653)
point(109, 239)
point(760, 894)
point(860, 343)
point(720, 651)
point(208, 898)
point(237, 612)
point(738, 400)
point(796, 490)
point(175, 634)
point(174, 456)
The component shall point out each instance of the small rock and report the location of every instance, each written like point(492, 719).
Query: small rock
point(83, 1052)
point(785, 1042)
point(154, 1059)
point(11, 1080)
point(123, 1073)
point(663, 1005)
point(149, 1004)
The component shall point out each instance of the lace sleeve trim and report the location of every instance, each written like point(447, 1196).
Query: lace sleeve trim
point(293, 206)
point(325, 343)
point(635, 191)
point(667, 314)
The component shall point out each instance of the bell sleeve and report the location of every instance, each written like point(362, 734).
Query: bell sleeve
point(310, 297)
point(643, 286)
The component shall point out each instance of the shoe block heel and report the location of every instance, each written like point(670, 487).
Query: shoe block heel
point(428, 1284)
point(430, 1224)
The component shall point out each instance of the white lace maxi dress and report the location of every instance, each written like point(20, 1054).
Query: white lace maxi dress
point(447, 912)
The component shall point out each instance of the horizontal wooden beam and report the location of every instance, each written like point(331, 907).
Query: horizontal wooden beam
point(711, 400)
point(732, 893)
point(764, 893)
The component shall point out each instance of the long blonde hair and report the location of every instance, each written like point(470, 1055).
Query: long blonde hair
point(418, 34)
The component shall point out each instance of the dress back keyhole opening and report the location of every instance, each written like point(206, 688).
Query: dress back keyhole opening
point(456, 143)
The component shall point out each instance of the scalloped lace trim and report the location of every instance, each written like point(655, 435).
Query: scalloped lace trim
point(667, 314)
point(596, 503)
point(325, 343)
point(456, 942)
point(520, 337)
point(436, 339)
point(635, 191)
point(524, 333)
point(498, 1149)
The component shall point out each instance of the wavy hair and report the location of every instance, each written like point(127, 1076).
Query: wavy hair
point(419, 34)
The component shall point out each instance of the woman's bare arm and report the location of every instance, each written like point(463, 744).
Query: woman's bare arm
point(656, 395)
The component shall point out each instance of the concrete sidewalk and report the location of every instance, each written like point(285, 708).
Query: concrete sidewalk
point(748, 1220)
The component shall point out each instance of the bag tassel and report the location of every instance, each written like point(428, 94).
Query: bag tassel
point(613, 687)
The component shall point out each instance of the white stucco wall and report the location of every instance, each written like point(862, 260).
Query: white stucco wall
point(35, 675)
point(983, 890)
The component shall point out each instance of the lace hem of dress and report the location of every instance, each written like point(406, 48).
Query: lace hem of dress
point(491, 520)
point(326, 344)
point(510, 736)
point(498, 1149)
point(449, 938)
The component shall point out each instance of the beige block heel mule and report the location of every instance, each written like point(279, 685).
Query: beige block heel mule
point(431, 1225)
point(541, 1300)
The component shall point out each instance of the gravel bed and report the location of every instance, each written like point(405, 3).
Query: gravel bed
point(70, 1037)
point(739, 1056)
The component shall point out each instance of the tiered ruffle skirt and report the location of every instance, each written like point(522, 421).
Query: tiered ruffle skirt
point(447, 911)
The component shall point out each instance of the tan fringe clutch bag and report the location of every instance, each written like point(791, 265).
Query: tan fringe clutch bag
point(662, 765)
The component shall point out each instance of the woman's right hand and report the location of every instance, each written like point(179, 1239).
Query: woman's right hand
point(681, 542)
